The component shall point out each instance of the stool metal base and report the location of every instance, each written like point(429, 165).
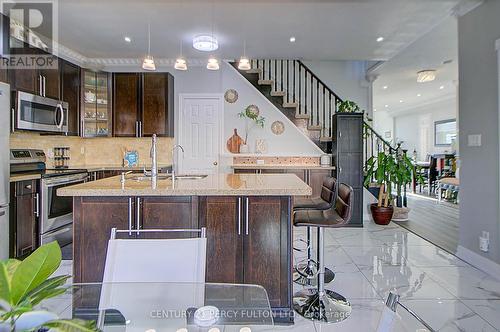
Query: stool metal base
point(305, 276)
point(328, 308)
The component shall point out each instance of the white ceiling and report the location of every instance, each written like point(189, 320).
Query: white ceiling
point(324, 30)
point(399, 74)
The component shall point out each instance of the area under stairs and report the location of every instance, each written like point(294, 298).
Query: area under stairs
point(299, 94)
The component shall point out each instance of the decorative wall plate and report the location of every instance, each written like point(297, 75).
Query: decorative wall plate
point(231, 96)
point(277, 127)
point(253, 109)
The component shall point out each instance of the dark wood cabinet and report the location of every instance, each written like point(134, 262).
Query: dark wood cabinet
point(126, 104)
point(23, 218)
point(249, 241)
point(222, 218)
point(70, 93)
point(143, 104)
point(51, 81)
point(94, 218)
point(348, 158)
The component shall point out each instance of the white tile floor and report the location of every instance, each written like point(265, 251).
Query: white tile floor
point(370, 262)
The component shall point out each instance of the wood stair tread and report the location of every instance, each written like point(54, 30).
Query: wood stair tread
point(314, 127)
point(302, 116)
point(265, 82)
point(254, 71)
point(290, 105)
point(325, 139)
point(278, 93)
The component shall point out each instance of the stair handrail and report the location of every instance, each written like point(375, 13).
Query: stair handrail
point(319, 80)
point(384, 142)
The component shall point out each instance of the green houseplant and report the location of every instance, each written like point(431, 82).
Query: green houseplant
point(390, 170)
point(348, 106)
point(25, 284)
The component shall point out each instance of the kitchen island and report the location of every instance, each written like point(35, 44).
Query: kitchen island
point(247, 218)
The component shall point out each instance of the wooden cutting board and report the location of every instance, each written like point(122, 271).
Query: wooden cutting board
point(234, 142)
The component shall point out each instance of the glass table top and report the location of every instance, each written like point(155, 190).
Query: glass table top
point(155, 307)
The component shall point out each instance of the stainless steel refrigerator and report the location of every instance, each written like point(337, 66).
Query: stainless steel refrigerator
point(4, 169)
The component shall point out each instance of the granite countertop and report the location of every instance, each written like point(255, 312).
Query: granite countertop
point(274, 166)
point(221, 184)
point(24, 177)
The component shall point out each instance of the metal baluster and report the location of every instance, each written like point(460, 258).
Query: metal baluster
point(281, 75)
point(305, 89)
point(287, 81)
point(294, 82)
point(312, 101)
point(300, 88)
point(330, 114)
point(324, 113)
point(317, 103)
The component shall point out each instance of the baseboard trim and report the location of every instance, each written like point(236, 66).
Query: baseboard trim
point(478, 261)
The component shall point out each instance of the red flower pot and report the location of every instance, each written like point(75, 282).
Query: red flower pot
point(381, 215)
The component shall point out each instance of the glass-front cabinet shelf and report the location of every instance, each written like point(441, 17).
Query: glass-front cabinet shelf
point(96, 108)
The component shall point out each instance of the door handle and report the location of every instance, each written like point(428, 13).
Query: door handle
point(44, 85)
point(137, 129)
point(140, 128)
point(138, 214)
point(37, 205)
point(40, 85)
point(246, 216)
point(60, 109)
point(239, 215)
point(130, 216)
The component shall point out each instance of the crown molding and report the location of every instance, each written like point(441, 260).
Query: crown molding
point(465, 6)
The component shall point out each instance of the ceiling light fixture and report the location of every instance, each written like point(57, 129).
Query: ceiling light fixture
point(149, 63)
point(213, 64)
point(180, 63)
point(441, 87)
point(401, 100)
point(127, 39)
point(380, 39)
point(386, 106)
point(419, 95)
point(427, 75)
point(205, 43)
point(292, 39)
point(385, 87)
point(244, 63)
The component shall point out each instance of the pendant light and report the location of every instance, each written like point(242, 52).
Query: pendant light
point(149, 62)
point(180, 63)
point(244, 63)
point(213, 64)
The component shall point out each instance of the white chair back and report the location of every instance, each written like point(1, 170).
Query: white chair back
point(151, 261)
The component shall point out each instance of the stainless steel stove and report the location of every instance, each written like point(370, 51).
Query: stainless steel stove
point(55, 212)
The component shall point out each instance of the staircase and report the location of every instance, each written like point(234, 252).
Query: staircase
point(306, 100)
point(298, 93)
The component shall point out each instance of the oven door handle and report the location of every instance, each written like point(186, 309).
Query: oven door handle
point(53, 184)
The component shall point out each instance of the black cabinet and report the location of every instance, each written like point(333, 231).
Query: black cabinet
point(70, 93)
point(348, 158)
point(24, 210)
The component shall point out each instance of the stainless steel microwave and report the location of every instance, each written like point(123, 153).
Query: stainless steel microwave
point(40, 113)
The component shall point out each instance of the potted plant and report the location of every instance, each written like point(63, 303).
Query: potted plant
point(391, 170)
point(25, 284)
point(252, 120)
point(381, 168)
point(348, 106)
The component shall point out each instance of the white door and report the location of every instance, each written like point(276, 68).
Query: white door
point(200, 131)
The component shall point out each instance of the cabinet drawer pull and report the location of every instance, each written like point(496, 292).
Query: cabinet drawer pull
point(37, 205)
point(239, 215)
point(138, 215)
point(246, 216)
point(130, 216)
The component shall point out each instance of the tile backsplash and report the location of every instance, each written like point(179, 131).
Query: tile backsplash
point(105, 151)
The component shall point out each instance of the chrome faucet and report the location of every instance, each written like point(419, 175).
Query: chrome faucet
point(176, 146)
point(154, 160)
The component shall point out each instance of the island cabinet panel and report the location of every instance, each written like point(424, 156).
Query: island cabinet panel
point(249, 241)
point(168, 213)
point(222, 218)
point(94, 217)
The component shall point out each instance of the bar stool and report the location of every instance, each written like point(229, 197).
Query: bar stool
point(305, 273)
point(318, 303)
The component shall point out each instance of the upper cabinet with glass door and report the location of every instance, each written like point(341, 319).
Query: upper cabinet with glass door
point(96, 111)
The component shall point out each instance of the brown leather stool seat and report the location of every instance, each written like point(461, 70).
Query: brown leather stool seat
point(318, 303)
point(323, 202)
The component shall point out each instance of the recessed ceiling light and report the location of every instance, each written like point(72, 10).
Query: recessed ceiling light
point(441, 87)
point(427, 75)
point(380, 39)
point(385, 87)
point(374, 109)
point(386, 106)
point(127, 39)
point(292, 39)
point(401, 100)
point(419, 95)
